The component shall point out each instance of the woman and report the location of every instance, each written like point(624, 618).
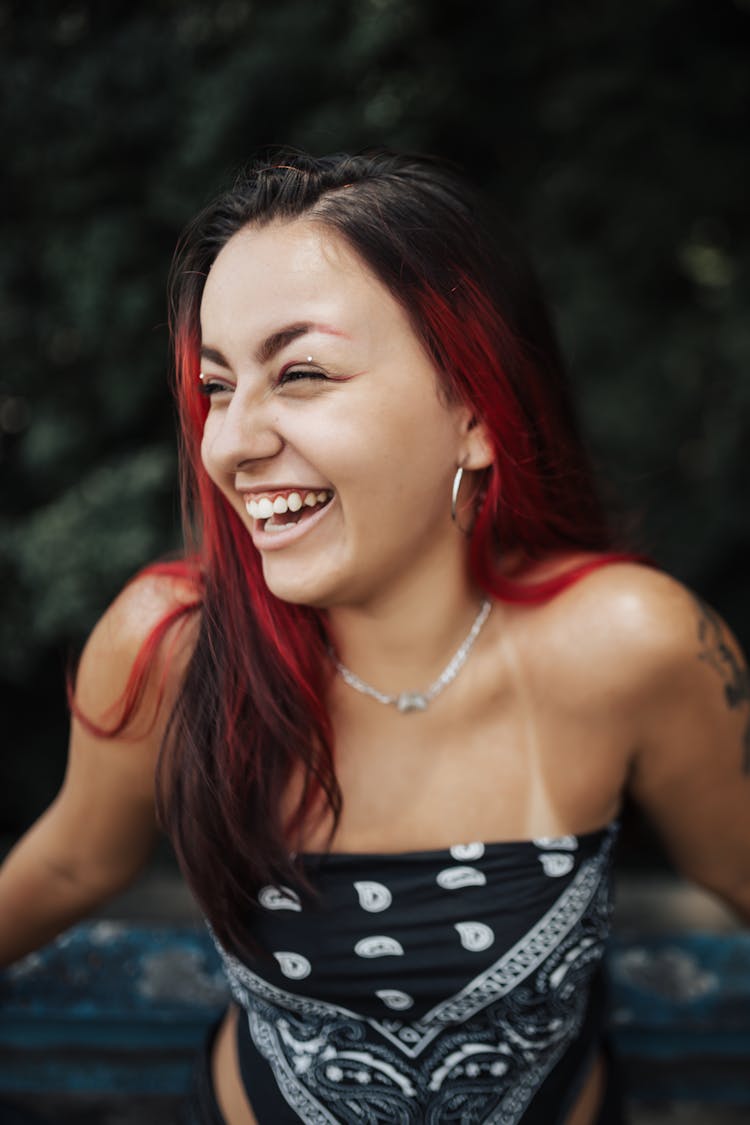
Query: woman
point(390, 706)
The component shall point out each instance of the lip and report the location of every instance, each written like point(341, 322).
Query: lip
point(277, 540)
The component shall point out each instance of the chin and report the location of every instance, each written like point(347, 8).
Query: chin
point(299, 590)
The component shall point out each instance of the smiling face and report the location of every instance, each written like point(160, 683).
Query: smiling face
point(326, 431)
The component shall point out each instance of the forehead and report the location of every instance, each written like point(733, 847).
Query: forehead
point(286, 271)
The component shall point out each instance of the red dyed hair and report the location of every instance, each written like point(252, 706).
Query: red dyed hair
point(251, 710)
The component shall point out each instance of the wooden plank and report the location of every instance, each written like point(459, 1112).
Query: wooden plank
point(681, 1016)
point(110, 1007)
point(114, 1007)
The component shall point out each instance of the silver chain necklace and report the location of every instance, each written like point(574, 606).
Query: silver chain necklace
point(417, 700)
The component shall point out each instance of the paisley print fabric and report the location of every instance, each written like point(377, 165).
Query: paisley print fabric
point(428, 987)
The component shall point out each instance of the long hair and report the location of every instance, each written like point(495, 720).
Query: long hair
point(251, 713)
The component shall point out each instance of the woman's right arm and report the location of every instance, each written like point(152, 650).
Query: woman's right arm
point(100, 830)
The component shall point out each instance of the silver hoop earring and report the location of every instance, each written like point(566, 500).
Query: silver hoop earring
point(458, 477)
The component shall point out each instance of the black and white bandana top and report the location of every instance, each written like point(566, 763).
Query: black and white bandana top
point(452, 986)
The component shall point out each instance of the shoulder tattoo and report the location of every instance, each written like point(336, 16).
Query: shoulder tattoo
point(716, 652)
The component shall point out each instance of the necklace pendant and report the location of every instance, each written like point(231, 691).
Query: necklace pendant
point(410, 701)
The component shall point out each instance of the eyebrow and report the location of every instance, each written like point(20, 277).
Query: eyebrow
point(275, 342)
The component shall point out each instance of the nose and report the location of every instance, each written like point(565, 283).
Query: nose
point(244, 430)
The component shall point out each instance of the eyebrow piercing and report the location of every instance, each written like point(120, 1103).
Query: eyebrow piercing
point(309, 359)
point(201, 376)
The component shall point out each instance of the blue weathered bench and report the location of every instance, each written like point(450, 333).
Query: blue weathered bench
point(111, 1007)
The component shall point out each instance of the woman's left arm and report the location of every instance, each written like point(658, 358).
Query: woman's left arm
point(691, 770)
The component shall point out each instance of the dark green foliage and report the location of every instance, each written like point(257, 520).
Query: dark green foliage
point(612, 134)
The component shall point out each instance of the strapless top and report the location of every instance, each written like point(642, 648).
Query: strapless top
point(458, 985)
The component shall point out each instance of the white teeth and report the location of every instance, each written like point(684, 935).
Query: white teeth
point(277, 527)
point(264, 508)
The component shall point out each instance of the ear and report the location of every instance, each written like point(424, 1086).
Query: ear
point(476, 448)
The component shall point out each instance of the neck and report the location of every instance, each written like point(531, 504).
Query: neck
point(402, 642)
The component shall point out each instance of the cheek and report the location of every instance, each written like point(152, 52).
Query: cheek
point(405, 466)
point(206, 450)
point(208, 456)
point(422, 442)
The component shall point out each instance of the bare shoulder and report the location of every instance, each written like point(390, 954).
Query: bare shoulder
point(124, 632)
point(633, 651)
point(634, 627)
point(143, 603)
point(101, 827)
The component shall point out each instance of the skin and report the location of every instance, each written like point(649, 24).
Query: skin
point(623, 681)
point(344, 421)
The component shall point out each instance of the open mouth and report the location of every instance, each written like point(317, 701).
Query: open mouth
point(279, 512)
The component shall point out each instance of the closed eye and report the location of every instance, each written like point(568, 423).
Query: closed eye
point(296, 374)
point(209, 386)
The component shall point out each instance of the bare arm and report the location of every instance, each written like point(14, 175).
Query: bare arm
point(691, 773)
point(99, 831)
